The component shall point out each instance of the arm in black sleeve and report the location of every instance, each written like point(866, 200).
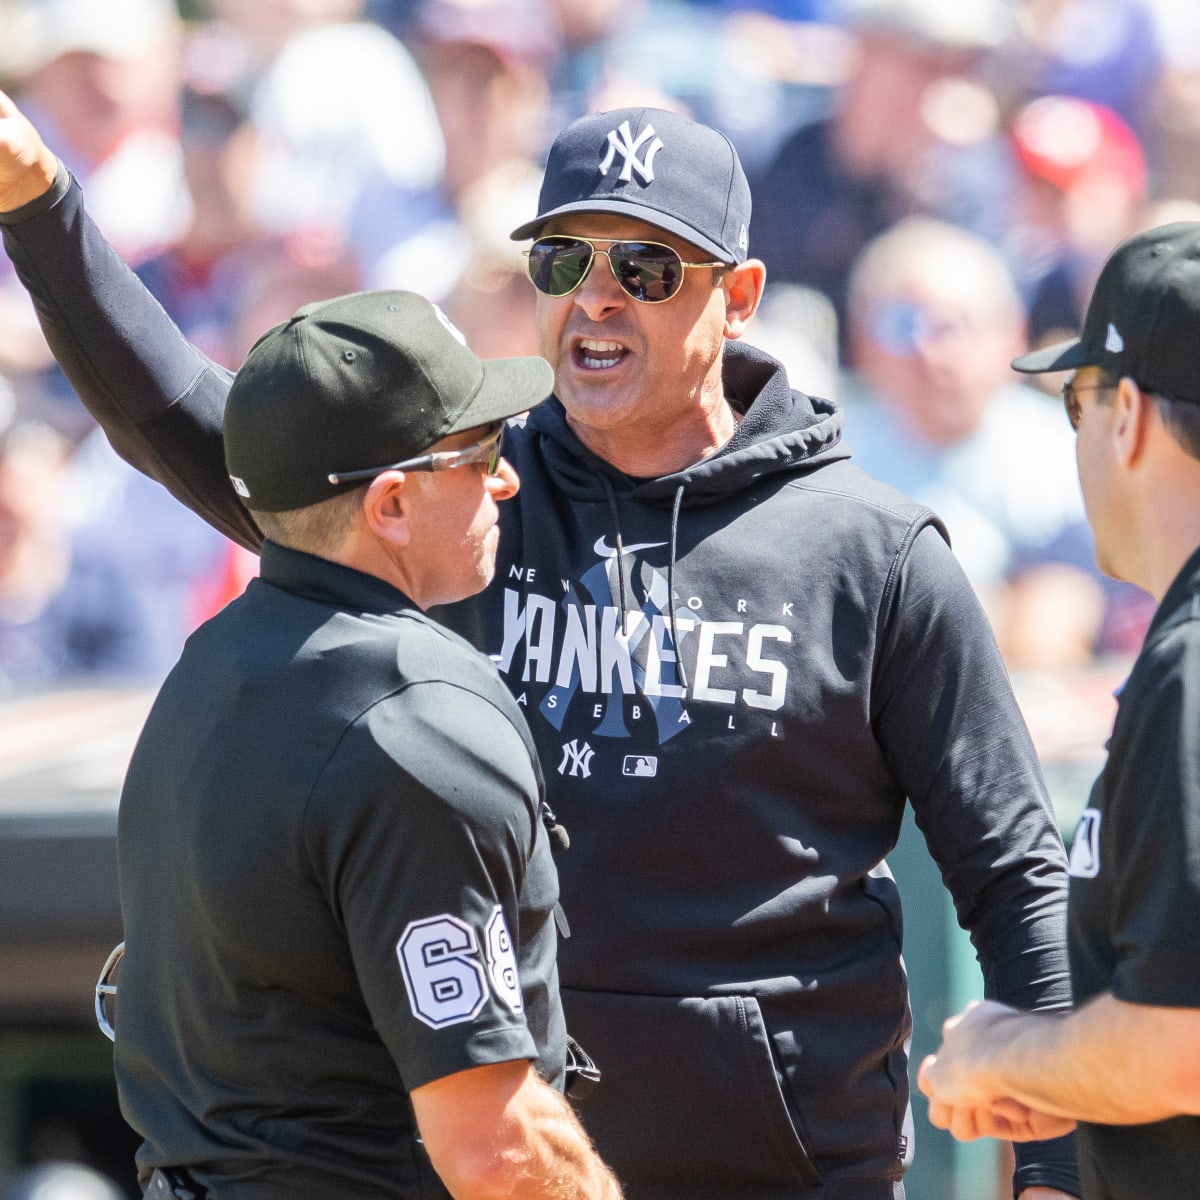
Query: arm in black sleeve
point(159, 400)
point(945, 713)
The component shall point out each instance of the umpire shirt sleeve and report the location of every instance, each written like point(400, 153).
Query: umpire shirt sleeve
point(421, 830)
point(945, 714)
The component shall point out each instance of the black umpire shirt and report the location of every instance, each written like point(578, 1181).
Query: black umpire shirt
point(1134, 928)
point(335, 886)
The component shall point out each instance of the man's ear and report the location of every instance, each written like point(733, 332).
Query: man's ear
point(743, 286)
point(1134, 410)
point(387, 507)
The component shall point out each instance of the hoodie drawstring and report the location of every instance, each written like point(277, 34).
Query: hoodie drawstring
point(683, 681)
point(621, 592)
point(616, 520)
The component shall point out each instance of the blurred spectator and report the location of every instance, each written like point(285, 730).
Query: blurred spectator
point(66, 611)
point(264, 29)
point(486, 63)
point(279, 277)
point(349, 142)
point(777, 59)
point(1174, 147)
point(586, 29)
point(935, 320)
point(1105, 51)
point(283, 275)
point(100, 80)
point(914, 130)
point(492, 302)
point(197, 277)
point(1082, 182)
point(103, 572)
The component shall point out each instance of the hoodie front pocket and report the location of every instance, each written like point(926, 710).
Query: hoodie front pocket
point(689, 1102)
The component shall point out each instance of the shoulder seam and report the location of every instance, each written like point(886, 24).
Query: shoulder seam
point(804, 485)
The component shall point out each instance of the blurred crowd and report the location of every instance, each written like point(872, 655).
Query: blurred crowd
point(936, 183)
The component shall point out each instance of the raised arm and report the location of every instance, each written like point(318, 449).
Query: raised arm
point(159, 400)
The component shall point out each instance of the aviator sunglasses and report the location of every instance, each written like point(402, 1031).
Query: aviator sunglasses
point(486, 450)
point(648, 271)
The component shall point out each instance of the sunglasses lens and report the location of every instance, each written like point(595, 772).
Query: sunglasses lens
point(493, 463)
point(558, 265)
point(647, 272)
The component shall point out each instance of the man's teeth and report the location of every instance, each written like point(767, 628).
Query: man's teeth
point(601, 354)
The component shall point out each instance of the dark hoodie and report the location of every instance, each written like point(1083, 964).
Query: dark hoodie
point(736, 675)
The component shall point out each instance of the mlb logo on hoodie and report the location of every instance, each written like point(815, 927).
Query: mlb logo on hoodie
point(640, 764)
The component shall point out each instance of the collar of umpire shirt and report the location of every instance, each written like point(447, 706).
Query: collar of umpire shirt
point(328, 582)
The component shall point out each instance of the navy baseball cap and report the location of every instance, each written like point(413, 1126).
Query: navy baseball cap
point(655, 165)
point(1143, 320)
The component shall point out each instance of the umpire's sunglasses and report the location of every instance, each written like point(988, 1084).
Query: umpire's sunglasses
point(1071, 392)
point(486, 450)
point(647, 271)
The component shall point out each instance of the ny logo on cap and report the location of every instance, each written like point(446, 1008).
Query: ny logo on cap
point(620, 141)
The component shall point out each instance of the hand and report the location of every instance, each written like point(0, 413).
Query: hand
point(957, 1076)
point(1003, 1118)
point(959, 1080)
point(27, 165)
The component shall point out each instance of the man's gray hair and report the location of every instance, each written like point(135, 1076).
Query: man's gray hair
point(316, 529)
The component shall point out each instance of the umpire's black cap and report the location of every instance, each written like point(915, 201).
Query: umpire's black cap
point(1143, 320)
point(355, 382)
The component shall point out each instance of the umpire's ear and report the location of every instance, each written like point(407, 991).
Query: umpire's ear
point(387, 508)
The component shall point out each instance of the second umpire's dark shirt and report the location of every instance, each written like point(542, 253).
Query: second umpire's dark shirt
point(328, 836)
point(1135, 886)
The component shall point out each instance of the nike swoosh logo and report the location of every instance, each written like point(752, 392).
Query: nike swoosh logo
point(602, 548)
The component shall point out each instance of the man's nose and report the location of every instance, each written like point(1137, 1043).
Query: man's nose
point(600, 293)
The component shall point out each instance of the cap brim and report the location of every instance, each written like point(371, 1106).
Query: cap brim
point(626, 208)
point(1063, 356)
point(510, 386)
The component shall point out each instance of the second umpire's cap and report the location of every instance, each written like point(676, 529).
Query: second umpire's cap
point(1143, 320)
point(655, 165)
point(358, 381)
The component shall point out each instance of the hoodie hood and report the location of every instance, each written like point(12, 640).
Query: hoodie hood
point(783, 430)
